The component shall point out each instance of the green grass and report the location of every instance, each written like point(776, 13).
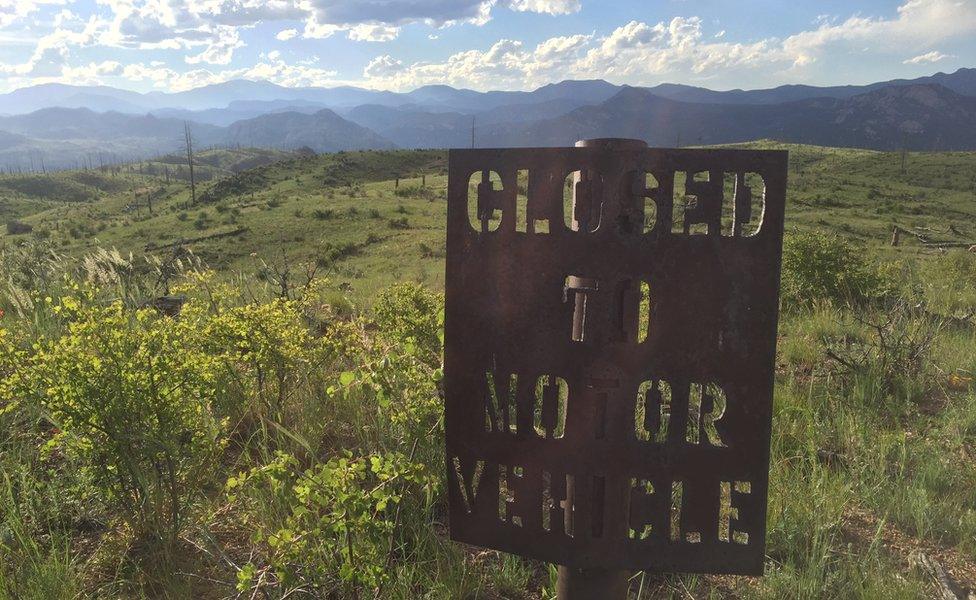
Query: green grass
point(299, 210)
point(869, 464)
point(279, 208)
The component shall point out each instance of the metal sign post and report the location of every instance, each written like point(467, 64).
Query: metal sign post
point(610, 336)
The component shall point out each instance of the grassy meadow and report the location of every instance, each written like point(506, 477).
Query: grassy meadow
point(283, 437)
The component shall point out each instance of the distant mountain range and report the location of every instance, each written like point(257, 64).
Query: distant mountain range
point(62, 126)
point(920, 117)
point(70, 137)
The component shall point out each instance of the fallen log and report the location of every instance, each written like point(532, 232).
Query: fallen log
point(969, 245)
point(203, 238)
point(947, 588)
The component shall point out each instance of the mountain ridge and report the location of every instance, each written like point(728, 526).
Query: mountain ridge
point(222, 95)
point(917, 116)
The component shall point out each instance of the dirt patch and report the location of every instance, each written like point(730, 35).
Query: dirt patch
point(913, 553)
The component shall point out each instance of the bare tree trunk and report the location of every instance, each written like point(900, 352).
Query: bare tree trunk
point(189, 161)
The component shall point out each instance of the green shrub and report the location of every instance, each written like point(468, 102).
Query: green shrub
point(400, 223)
point(17, 228)
point(415, 191)
point(821, 266)
point(130, 394)
point(266, 348)
point(411, 312)
point(337, 518)
point(949, 283)
point(884, 354)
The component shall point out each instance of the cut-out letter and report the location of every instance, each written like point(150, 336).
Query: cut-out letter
point(652, 411)
point(551, 398)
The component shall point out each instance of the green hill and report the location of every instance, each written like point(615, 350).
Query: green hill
point(277, 441)
point(345, 213)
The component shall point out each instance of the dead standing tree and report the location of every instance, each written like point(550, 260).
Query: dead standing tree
point(188, 139)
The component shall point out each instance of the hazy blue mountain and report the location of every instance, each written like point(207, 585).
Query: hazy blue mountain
point(261, 96)
point(227, 94)
point(921, 117)
point(413, 128)
point(523, 113)
point(85, 124)
point(101, 98)
point(266, 106)
point(934, 112)
point(469, 101)
point(223, 94)
point(65, 138)
point(962, 82)
point(323, 131)
point(237, 111)
point(8, 140)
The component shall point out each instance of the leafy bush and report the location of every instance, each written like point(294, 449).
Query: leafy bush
point(411, 312)
point(17, 228)
point(821, 266)
point(950, 284)
point(266, 349)
point(332, 253)
point(890, 350)
point(130, 394)
point(337, 517)
point(415, 191)
point(400, 223)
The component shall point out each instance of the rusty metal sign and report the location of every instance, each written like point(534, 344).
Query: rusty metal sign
point(610, 340)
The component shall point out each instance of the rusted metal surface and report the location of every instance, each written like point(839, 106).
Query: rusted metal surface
point(591, 584)
point(609, 357)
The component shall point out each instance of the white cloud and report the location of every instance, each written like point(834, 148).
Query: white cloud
point(325, 17)
point(212, 26)
point(382, 66)
point(245, 12)
point(929, 57)
point(276, 70)
point(209, 33)
point(270, 67)
point(552, 7)
point(918, 23)
point(13, 11)
point(53, 50)
point(286, 34)
point(92, 73)
point(219, 50)
point(434, 12)
point(373, 33)
point(316, 30)
point(507, 64)
point(643, 53)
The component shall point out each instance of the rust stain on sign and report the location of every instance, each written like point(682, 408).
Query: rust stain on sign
point(610, 341)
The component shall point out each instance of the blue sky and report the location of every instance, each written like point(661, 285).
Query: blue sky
point(171, 45)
